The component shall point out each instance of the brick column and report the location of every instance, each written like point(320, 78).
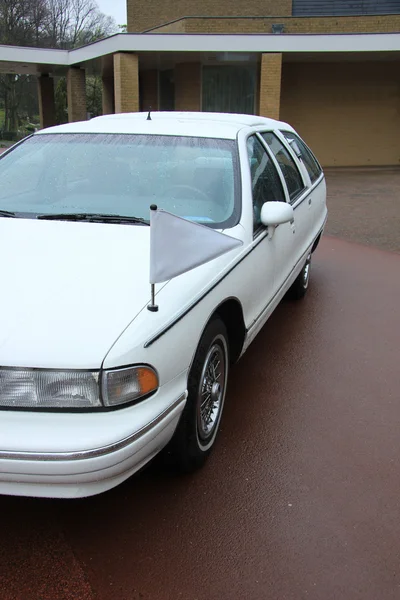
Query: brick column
point(188, 86)
point(126, 82)
point(149, 90)
point(108, 95)
point(76, 93)
point(270, 85)
point(47, 107)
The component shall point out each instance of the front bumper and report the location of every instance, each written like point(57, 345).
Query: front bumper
point(66, 455)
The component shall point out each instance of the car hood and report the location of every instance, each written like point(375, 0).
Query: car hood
point(69, 290)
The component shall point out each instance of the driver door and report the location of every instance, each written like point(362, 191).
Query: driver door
point(274, 257)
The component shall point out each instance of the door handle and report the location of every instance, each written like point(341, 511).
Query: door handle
point(309, 201)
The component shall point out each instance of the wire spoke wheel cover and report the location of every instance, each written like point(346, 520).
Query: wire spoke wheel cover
point(197, 429)
point(306, 272)
point(212, 386)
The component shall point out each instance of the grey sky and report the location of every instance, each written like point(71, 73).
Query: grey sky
point(114, 8)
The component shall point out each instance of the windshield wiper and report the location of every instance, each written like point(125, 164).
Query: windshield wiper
point(93, 217)
point(6, 213)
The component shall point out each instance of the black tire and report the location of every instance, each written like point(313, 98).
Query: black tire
point(300, 285)
point(191, 444)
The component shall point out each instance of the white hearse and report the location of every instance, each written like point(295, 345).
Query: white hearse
point(97, 374)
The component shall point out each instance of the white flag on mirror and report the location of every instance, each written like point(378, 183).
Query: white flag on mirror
point(178, 245)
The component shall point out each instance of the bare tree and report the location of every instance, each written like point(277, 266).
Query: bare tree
point(19, 25)
point(15, 22)
point(71, 23)
point(56, 22)
point(47, 23)
point(38, 16)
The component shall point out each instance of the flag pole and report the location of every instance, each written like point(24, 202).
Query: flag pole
point(152, 307)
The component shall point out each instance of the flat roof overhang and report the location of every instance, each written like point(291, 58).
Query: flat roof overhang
point(156, 48)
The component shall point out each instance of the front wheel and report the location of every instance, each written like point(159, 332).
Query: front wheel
point(300, 285)
point(198, 427)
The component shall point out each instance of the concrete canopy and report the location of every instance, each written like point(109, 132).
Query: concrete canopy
point(16, 59)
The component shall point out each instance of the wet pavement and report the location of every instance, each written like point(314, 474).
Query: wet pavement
point(300, 499)
point(364, 206)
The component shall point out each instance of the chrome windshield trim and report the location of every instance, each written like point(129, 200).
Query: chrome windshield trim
point(95, 452)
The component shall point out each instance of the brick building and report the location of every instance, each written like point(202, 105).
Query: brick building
point(347, 105)
point(329, 67)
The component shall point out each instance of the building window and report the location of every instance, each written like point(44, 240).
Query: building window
point(229, 88)
point(166, 90)
point(302, 8)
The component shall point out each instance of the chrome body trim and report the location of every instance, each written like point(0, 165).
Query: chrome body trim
point(95, 452)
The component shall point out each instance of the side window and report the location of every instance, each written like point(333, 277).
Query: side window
point(309, 160)
point(265, 182)
point(290, 170)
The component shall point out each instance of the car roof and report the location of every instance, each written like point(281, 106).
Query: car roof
point(197, 124)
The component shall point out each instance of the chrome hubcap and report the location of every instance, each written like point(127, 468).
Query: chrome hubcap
point(211, 391)
point(215, 392)
point(306, 272)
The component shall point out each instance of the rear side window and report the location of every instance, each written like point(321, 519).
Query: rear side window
point(265, 181)
point(290, 170)
point(309, 160)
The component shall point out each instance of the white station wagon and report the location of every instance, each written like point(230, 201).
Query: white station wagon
point(92, 383)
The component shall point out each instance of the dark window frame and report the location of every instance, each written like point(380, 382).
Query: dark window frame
point(258, 227)
point(292, 197)
point(284, 132)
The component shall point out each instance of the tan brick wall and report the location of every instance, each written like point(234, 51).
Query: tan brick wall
point(148, 82)
point(349, 113)
point(145, 14)
point(188, 86)
point(175, 27)
point(126, 82)
point(76, 94)
point(47, 109)
point(363, 24)
point(270, 85)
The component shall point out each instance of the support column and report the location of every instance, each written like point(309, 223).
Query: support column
point(47, 107)
point(126, 82)
point(270, 85)
point(149, 90)
point(188, 86)
point(76, 93)
point(108, 95)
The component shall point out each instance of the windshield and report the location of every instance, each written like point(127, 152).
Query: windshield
point(116, 174)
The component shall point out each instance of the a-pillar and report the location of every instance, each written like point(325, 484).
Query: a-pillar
point(126, 82)
point(47, 107)
point(108, 95)
point(76, 94)
point(188, 86)
point(270, 85)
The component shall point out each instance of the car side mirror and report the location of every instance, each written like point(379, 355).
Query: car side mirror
point(274, 214)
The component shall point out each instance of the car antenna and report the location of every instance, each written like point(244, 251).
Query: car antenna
point(152, 307)
point(148, 116)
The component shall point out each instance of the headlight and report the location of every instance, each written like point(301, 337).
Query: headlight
point(35, 388)
point(127, 385)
